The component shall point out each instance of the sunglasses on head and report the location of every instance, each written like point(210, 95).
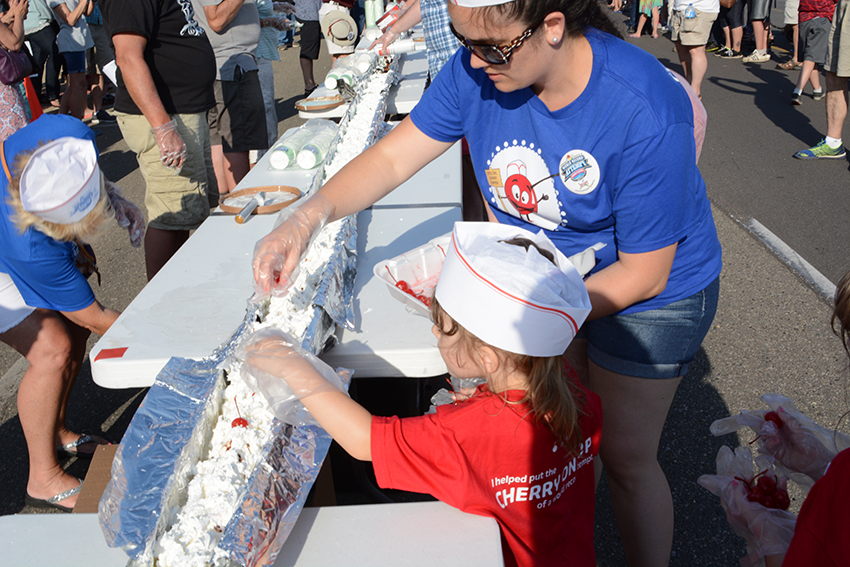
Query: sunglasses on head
point(492, 53)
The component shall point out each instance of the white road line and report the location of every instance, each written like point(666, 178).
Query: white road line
point(797, 263)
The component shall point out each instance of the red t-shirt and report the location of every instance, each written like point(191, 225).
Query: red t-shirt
point(811, 9)
point(822, 534)
point(486, 457)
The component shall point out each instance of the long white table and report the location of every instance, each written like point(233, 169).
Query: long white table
point(404, 95)
point(198, 299)
point(419, 534)
point(387, 340)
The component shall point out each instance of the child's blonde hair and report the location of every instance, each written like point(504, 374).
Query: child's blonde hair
point(86, 229)
point(551, 392)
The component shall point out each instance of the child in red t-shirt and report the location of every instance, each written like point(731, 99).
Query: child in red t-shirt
point(520, 448)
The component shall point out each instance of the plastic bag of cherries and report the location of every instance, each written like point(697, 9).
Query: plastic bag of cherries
point(755, 502)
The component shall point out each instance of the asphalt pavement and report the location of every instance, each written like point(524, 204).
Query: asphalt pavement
point(771, 332)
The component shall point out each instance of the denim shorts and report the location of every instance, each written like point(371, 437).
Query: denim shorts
point(659, 343)
point(75, 61)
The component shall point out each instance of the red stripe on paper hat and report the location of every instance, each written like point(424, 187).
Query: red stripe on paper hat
point(511, 298)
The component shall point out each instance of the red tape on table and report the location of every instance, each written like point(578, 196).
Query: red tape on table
point(111, 353)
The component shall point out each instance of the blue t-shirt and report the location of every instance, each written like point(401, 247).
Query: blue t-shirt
point(617, 165)
point(42, 268)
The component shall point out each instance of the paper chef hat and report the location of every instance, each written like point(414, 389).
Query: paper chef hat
point(61, 182)
point(508, 297)
point(478, 3)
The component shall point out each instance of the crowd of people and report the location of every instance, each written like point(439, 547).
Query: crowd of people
point(570, 365)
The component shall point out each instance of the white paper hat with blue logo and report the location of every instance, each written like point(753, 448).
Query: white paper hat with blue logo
point(61, 181)
point(509, 297)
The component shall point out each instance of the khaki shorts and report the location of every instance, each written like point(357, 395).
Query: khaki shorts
point(174, 201)
point(838, 44)
point(694, 31)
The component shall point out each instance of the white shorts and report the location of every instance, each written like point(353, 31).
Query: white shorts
point(333, 48)
point(13, 308)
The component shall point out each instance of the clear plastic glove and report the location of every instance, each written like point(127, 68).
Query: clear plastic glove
point(278, 254)
point(127, 214)
point(172, 148)
point(767, 531)
point(284, 8)
point(796, 443)
point(380, 45)
point(276, 366)
point(280, 23)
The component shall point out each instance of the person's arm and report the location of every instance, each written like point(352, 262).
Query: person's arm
point(220, 15)
point(96, 318)
point(12, 33)
point(69, 17)
point(632, 278)
point(349, 423)
point(270, 355)
point(411, 16)
point(130, 58)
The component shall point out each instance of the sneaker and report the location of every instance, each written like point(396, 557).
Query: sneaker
point(729, 54)
point(104, 117)
point(796, 99)
point(756, 57)
point(663, 28)
point(821, 151)
point(817, 95)
point(712, 47)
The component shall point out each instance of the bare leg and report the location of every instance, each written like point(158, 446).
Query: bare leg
point(728, 35)
point(805, 74)
point(699, 65)
point(760, 35)
point(836, 104)
point(73, 100)
point(54, 355)
point(655, 22)
point(737, 36)
point(307, 73)
point(684, 53)
point(230, 168)
point(160, 246)
point(639, 29)
point(640, 495)
point(237, 166)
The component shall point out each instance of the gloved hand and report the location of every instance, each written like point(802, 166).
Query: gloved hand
point(278, 254)
point(797, 443)
point(277, 22)
point(382, 43)
point(768, 531)
point(127, 214)
point(172, 148)
point(276, 366)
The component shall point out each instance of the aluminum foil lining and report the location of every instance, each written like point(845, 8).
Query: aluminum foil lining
point(168, 433)
point(171, 430)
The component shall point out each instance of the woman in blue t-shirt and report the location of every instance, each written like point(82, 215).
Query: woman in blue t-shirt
point(532, 93)
point(53, 198)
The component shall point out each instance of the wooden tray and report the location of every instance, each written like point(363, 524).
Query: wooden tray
point(296, 194)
